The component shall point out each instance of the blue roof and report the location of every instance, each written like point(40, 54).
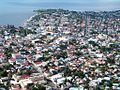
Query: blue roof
point(116, 84)
point(118, 78)
point(118, 88)
point(73, 88)
point(19, 57)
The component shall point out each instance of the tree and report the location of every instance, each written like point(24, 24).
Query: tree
point(24, 32)
point(62, 54)
point(63, 47)
point(78, 53)
point(110, 60)
point(3, 73)
point(3, 86)
point(83, 47)
point(93, 43)
point(8, 66)
point(80, 74)
point(31, 45)
point(8, 52)
point(67, 71)
point(105, 49)
point(37, 87)
point(94, 32)
point(114, 45)
point(13, 31)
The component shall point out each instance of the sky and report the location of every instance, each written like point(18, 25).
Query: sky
point(7, 6)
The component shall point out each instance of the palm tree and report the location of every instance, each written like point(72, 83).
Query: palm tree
point(8, 52)
point(37, 87)
point(3, 86)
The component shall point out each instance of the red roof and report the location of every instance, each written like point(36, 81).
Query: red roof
point(26, 64)
point(29, 56)
point(13, 36)
point(13, 59)
point(16, 87)
point(25, 75)
point(56, 68)
point(2, 55)
point(37, 62)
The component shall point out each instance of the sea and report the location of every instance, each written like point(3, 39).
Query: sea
point(15, 12)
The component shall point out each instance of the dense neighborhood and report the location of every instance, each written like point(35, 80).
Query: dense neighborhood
point(59, 49)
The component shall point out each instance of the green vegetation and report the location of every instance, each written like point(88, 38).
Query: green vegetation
point(3, 86)
point(8, 52)
point(93, 43)
point(28, 71)
point(62, 54)
point(68, 72)
point(3, 72)
point(36, 87)
point(25, 32)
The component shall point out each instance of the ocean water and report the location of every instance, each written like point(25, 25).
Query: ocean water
point(17, 11)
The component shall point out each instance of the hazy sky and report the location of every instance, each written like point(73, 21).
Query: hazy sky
point(64, 0)
point(10, 5)
point(67, 1)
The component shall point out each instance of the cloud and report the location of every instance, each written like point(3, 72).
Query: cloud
point(71, 4)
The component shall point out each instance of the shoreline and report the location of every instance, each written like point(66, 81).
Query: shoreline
point(28, 19)
point(20, 19)
point(16, 19)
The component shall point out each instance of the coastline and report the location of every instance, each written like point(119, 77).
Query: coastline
point(19, 19)
point(16, 19)
point(28, 19)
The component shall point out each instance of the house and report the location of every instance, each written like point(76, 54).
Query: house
point(55, 77)
point(25, 82)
